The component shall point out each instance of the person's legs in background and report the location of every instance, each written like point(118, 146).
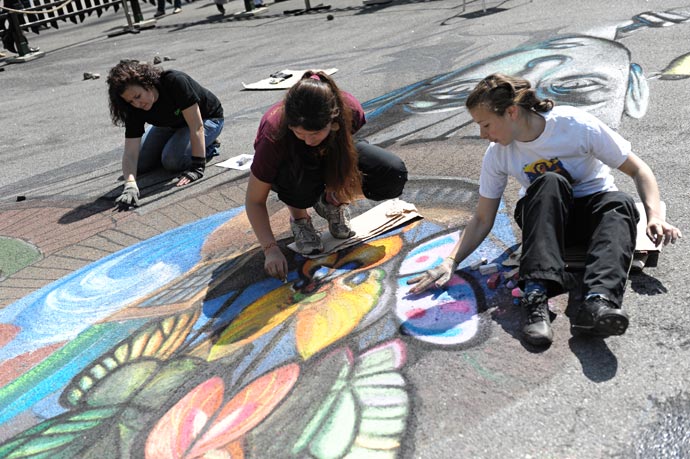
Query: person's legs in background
point(152, 144)
point(160, 11)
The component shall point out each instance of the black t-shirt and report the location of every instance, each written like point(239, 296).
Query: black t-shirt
point(177, 91)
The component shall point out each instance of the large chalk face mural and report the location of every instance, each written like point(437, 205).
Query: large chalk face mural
point(181, 347)
point(595, 73)
point(592, 73)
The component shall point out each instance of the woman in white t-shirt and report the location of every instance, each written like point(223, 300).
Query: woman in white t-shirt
point(562, 157)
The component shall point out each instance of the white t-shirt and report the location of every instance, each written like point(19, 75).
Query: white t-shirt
point(574, 143)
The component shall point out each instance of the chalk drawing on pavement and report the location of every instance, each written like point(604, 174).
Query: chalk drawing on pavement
point(209, 356)
point(594, 73)
point(180, 346)
point(15, 254)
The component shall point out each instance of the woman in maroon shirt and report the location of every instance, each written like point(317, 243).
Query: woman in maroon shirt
point(305, 152)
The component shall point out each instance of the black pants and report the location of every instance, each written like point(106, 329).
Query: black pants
point(383, 177)
point(551, 219)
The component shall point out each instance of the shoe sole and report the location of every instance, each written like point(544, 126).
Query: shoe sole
point(313, 252)
point(610, 323)
point(341, 236)
point(540, 341)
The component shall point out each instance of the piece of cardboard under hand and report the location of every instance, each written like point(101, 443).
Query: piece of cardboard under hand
point(283, 79)
point(377, 220)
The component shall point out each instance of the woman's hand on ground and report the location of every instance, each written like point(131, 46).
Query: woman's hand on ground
point(194, 173)
point(659, 231)
point(129, 197)
point(275, 264)
point(436, 277)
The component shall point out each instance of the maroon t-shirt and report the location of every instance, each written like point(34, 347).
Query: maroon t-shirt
point(269, 154)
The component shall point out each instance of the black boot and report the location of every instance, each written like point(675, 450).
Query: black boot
point(599, 317)
point(537, 323)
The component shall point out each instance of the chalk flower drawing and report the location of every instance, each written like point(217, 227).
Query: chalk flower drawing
point(200, 425)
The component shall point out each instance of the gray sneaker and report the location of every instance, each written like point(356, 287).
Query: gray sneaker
point(338, 217)
point(307, 239)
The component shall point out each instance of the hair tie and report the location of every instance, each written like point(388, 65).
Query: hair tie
point(315, 77)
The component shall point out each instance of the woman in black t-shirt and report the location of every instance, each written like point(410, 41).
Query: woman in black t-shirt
point(184, 117)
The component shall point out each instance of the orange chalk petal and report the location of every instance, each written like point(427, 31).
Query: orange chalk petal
point(247, 409)
point(178, 428)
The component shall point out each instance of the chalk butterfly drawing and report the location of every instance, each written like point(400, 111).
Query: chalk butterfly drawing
point(222, 373)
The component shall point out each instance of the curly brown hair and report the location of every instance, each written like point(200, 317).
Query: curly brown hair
point(312, 103)
point(126, 73)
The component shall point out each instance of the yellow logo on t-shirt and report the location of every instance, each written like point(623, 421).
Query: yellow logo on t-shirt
point(542, 166)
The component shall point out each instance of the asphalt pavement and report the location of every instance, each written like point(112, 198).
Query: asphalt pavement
point(155, 333)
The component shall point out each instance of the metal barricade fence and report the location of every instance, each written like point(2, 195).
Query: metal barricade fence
point(19, 16)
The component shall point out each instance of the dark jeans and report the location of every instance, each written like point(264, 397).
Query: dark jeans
point(161, 4)
point(383, 177)
point(171, 147)
point(551, 219)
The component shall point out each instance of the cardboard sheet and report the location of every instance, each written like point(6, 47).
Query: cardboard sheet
point(377, 220)
point(283, 79)
point(643, 243)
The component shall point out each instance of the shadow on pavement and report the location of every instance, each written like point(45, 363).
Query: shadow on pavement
point(599, 364)
point(152, 186)
point(644, 284)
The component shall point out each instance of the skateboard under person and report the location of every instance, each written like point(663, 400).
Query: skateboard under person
point(562, 157)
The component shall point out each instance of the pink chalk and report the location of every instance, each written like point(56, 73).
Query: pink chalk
point(493, 280)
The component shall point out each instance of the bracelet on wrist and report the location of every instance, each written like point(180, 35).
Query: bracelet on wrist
point(270, 245)
point(452, 259)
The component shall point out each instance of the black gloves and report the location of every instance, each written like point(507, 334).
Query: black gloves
point(196, 170)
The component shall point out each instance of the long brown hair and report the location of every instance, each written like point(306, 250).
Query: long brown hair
point(497, 92)
point(312, 103)
point(126, 73)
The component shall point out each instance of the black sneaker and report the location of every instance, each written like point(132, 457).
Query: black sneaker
point(598, 317)
point(536, 328)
